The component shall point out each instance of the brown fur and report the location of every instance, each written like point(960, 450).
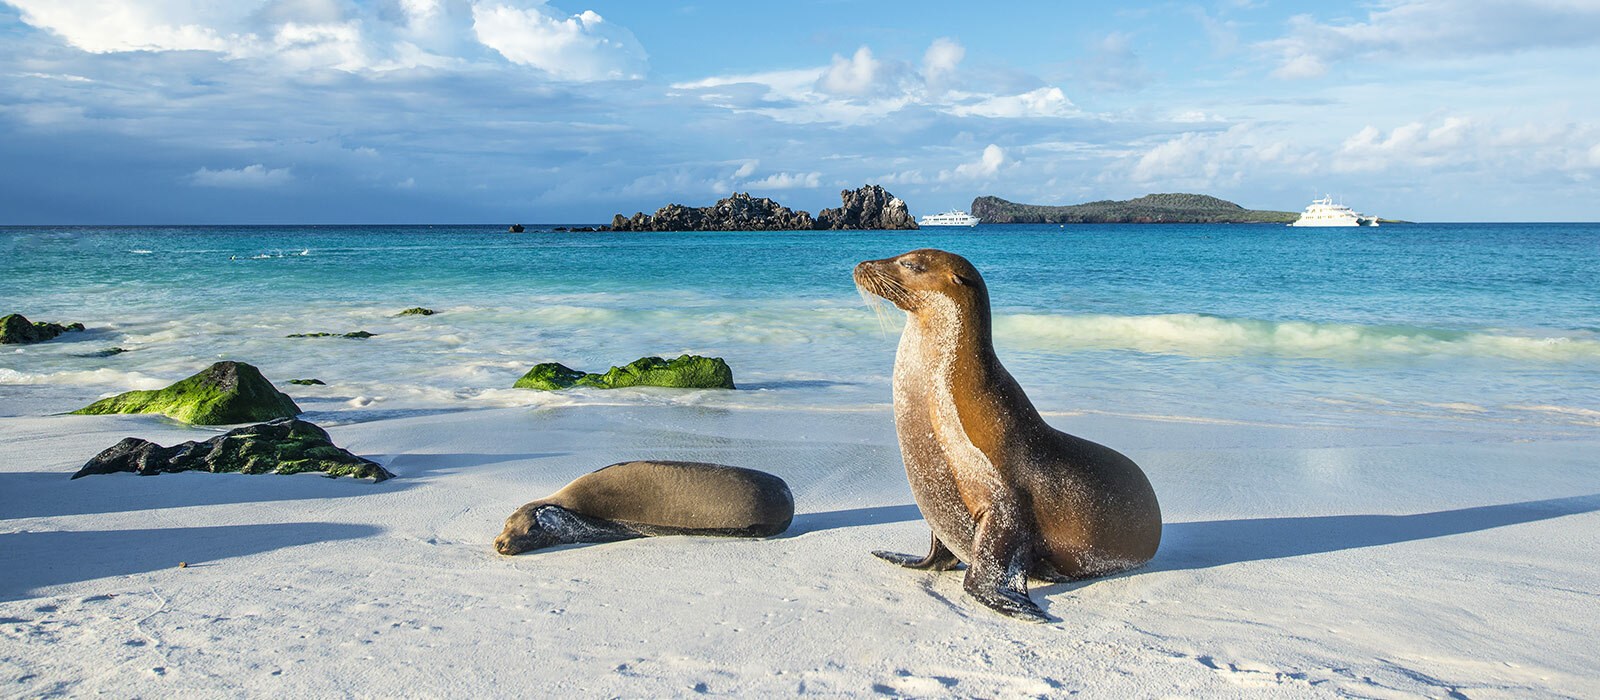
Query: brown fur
point(1002, 489)
point(647, 498)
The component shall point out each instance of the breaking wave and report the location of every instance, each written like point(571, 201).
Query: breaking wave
point(1201, 335)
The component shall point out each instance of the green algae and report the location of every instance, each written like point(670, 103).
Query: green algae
point(684, 372)
point(417, 311)
point(16, 329)
point(223, 394)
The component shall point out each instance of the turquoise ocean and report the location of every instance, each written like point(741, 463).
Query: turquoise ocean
point(1487, 328)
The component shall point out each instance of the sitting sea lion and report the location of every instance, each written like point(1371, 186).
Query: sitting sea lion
point(645, 499)
point(1002, 490)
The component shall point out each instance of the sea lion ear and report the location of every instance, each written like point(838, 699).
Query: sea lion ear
point(958, 279)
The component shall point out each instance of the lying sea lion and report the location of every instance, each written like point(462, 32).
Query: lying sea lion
point(1002, 490)
point(646, 499)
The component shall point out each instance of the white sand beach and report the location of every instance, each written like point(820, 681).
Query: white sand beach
point(1295, 561)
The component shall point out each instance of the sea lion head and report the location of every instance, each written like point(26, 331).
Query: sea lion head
point(911, 280)
point(524, 532)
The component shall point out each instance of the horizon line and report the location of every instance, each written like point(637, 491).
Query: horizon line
point(567, 223)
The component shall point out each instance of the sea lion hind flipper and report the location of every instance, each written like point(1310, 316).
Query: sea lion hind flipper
point(939, 558)
point(998, 576)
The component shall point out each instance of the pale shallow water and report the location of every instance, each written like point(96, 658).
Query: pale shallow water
point(1495, 327)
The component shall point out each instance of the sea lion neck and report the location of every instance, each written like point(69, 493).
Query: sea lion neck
point(965, 324)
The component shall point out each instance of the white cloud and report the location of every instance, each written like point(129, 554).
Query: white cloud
point(747, 168)
point(333, 44)
point(987, 166)
point(1297, 65)
point(854, 76)
point(1451, 145)
point(1196, 116)
point(786, 181)
point(321, 34)
point(941, 59)
point(1043, 102)
point(1206, 158)
point(1431, 28)
point(255, 176)
point(582, 47)
point(865, 89)
point(99, 26)
point(64, 77)
point(1465, 143)
point(783, 84)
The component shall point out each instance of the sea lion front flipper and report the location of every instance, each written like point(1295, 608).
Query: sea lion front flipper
point(998, 575)
point(939, 558)
point(567, 527)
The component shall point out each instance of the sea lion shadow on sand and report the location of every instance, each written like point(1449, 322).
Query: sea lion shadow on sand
point(805, 523)
point(1213, 543)
point(652, 498)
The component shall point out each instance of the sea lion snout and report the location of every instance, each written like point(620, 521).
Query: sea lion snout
point(907, 279)
point(519, 534)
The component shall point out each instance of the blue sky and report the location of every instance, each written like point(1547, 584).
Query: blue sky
point(390, 111)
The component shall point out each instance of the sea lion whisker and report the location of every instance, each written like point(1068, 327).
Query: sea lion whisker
point(894, 290)
point(875, 302)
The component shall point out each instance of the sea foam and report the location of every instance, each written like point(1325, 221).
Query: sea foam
point(1202, 335)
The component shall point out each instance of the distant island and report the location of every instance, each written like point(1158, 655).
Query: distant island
point(1174, 208)
point(866, 208)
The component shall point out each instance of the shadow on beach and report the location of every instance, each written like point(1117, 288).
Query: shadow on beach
point(32, 560)
point(414, 465)
point(851, 517)
point(1212, 543)
point(49, 494)
point(1206, 544)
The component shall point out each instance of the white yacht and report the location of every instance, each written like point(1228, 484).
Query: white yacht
point(1323, 212)
point(949, 218)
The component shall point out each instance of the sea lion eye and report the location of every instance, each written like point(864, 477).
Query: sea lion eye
point(913, 266)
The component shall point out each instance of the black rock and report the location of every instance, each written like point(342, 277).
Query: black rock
point(282, 446)
point(739, 212)
point(108, 352)
point(308, 382)
point(870, 207)
point(516, 228)
point(867, 208)
point(359, 335)
point(16, 329)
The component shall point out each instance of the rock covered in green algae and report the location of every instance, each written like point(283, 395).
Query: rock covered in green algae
point(307, 382)
point(685, 372)
point(224, 393)
point(282, 446)
point(16, 329)
point(359, 335)
point(418, 311)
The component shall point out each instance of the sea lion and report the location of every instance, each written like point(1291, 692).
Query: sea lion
point(650, 498)
point(1002, 490)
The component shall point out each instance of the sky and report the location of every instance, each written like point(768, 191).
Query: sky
point(568, 111)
